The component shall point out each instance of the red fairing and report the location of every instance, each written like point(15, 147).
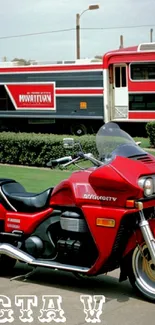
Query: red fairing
point(130, 170)
point(104, 237)
point(82, 186)
point(26, 222)
point(113, 184)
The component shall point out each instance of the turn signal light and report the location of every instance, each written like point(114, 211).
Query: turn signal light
point(104, 222)
point(130, 204)
point(133, 204)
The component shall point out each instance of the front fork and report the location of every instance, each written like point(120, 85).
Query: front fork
point(147, 235)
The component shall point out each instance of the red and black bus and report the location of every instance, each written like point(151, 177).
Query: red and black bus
point(79, 96)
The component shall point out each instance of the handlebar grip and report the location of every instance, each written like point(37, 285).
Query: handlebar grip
point(55, 162)
point(80, 154)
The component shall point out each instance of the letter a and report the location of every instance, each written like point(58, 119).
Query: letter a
point(6, 312)
point(92, 312)
point(25, 302)
point(52, 310)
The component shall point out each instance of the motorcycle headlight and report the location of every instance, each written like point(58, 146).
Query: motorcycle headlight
point(147, 184)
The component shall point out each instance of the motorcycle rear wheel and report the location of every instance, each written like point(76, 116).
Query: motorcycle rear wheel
point(142, 272)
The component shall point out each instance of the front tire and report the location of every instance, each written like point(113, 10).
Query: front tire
point(141, 272)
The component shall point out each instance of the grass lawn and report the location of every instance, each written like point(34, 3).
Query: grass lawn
point(36, 179)
point(144, 142)
point(33, 179)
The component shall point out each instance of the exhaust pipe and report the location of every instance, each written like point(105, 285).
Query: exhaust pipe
point(17, 254)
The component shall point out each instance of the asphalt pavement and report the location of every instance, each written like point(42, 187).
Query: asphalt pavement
point(50, 296)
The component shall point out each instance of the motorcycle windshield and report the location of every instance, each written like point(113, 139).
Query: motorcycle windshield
point(111, 141)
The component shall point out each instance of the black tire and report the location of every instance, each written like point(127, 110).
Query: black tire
point(141, 273)
point(78, 129)
point(6, 265)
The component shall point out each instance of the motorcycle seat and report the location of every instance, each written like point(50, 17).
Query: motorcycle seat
point(24, 201)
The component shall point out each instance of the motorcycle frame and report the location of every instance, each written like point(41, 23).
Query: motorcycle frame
point(79, 192)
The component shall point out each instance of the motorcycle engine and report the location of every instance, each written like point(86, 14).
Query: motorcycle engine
point(34, 246)
point(75, 242)
point(74, 222)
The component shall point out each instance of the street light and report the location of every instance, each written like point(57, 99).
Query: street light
point(78, 16)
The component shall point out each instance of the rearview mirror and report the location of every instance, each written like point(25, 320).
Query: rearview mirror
point(68, 143)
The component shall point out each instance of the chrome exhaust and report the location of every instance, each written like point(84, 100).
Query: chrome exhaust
point(59, 266)
point(17, 254)
point(148, 236)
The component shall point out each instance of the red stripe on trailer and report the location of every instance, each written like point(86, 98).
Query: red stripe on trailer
point(141, 87)
point(141, 115)
point(75, 91)
point(51, 68)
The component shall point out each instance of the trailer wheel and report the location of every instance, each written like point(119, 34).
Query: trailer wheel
point(78, 129)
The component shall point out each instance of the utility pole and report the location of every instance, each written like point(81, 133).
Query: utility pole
point(78, 36)
point(151, 35)
point(121, 42)
point(78, 16)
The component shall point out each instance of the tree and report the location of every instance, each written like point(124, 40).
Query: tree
point(22, 61)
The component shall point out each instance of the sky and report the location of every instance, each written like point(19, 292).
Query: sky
point(32, 16)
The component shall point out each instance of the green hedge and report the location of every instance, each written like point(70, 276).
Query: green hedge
point(150, 128)
point(37, 149)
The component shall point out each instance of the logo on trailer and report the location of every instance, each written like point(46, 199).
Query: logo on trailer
point(32, 96)
point(35, 98)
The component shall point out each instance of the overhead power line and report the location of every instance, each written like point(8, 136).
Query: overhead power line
point(73, 29)
point(38, 33)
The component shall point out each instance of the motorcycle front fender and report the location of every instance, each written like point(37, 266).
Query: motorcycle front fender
point(137, 238)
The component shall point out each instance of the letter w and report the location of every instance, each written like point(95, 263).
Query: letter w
point(93, 313)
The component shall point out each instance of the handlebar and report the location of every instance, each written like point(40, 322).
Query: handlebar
point(68, 160)
point(54, 163)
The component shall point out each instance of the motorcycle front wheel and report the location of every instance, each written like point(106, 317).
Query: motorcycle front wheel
point(142, 272)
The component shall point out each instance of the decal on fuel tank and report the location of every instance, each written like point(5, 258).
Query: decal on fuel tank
point(99, 198)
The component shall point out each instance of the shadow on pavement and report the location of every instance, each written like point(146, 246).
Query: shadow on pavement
point(106, 285)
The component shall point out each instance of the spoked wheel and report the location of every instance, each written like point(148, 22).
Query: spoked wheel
point(142, 275)
point(6, 264)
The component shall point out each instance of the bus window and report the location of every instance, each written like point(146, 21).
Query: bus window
point(142, 102)
point(123, 76)
point(142, 71)
point(117, 77)
point(120, 76)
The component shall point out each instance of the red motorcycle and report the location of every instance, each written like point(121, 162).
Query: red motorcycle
point(99, 219)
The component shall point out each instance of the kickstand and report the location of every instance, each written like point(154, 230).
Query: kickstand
point(24, 276)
